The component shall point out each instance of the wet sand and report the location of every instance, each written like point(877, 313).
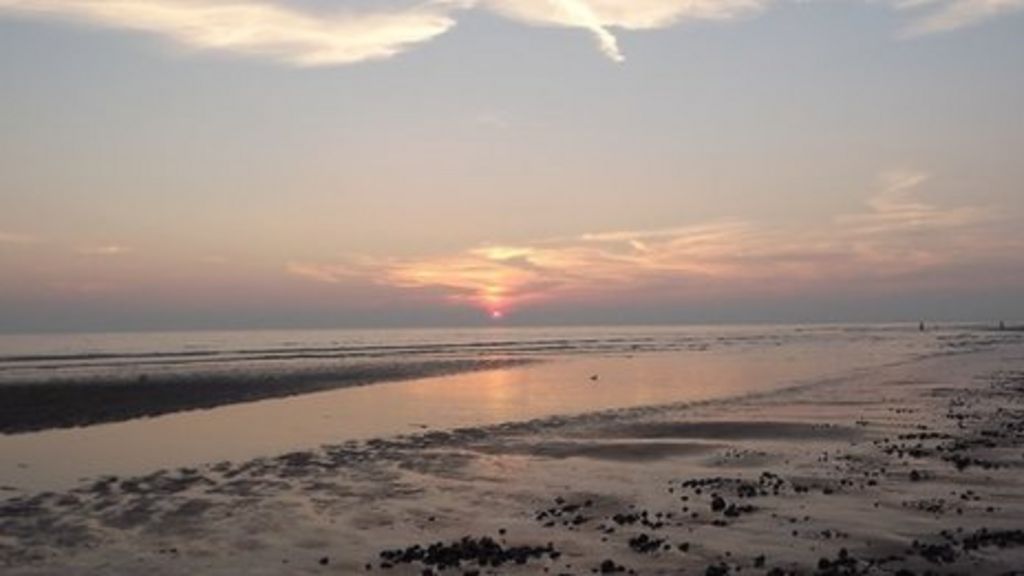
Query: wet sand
point(55, 459)
point(65, 404)
point(914, 468)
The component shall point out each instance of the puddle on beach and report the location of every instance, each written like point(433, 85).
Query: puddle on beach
point(58, 458)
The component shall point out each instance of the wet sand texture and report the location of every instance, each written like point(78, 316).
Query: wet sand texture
point(913, 469)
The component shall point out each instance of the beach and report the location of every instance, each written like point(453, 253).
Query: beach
point(523, 287)
point(905, 464)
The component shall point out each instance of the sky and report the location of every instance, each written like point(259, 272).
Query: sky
point(245, 164)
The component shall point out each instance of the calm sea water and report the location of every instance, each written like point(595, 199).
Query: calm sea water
point(582, 370)
point(132, 356)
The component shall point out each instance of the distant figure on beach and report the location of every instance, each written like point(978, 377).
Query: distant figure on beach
point(920, 327)
point(1002, 326)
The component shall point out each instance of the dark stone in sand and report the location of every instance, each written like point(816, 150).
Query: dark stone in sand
point(943, 553)
point(610, 567)
point(644, 544)
point(842, 565)
point(483, 551)
point(998, 538)
point(719, 569)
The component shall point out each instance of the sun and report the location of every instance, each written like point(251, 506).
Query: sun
point(497, 314)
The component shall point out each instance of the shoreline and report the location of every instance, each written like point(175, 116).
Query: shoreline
point(132, 382)
point(909, 467)
point(36, 407)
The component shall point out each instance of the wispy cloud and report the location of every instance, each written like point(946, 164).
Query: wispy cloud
point(17, 239)
point(568, 13)
point(897, 236)
point(270, 29)
point(213, 259)
point(329, 273)
point(600, 17)
point(934, 16)
point(103, 250)
point(896, 208)
point(492, 120)
point(281, 31)
point(84, 287)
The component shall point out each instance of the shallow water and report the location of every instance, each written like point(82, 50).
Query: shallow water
point(675, 365)
point(184, 355)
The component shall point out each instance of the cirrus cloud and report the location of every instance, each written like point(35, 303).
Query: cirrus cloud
point(601, 16)
point(103, 250)
point(944, 15)
point(282, 31)
point(897, 238)
point(17, 239)
point(269, 29)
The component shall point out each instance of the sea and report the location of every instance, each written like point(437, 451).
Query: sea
point(565, 371)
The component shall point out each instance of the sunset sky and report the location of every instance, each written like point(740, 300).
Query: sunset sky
point(176, 164)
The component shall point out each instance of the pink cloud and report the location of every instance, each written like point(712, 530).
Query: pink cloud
point(897, 237)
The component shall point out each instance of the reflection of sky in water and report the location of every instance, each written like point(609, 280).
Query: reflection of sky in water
point(254, 355)
point(561, 386)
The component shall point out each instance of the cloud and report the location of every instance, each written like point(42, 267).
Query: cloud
point(17, 239)
point(213, 259)
point(945, 15)
point(330, 274)
point(567, 13)
point(103, 250)
point(895, 207)
point(493, 121)
point(600, 16)
point(269, 29)
point(896, 237)
point(278, 30)
point(84, 287)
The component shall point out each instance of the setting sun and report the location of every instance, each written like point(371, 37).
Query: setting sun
point(516, 286)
